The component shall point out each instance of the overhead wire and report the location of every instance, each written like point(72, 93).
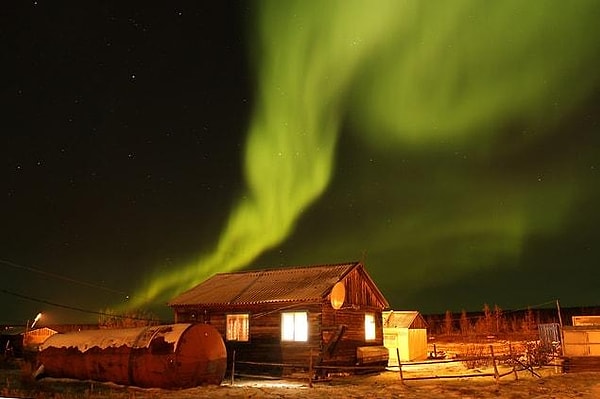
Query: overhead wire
point(62, 277)
point(70, 280)
point(75, 308)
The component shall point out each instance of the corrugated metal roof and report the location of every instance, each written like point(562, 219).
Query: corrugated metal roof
point(399, 319)
point(265, 286)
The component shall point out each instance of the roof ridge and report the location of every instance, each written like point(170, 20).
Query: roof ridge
point(288, 268)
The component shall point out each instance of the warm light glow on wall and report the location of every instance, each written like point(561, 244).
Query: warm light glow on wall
point(294, 326)
point(238, 327)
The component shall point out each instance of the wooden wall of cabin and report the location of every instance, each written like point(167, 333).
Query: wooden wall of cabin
point(344, 332)
point(359, 292)
point(265, 344)
point(334, 335)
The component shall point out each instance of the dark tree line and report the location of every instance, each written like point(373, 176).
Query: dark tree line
point(498, 322)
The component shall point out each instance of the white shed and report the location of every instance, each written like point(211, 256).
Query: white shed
point(583, 338)
point(407, 331)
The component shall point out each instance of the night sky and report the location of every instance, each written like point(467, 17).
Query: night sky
point(453, 147)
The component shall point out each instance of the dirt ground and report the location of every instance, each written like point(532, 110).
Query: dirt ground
point(551, 383)
point(383, 385)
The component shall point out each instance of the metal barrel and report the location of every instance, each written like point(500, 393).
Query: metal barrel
point(166, 356)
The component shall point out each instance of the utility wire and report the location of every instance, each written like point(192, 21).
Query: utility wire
point(538, 306)
point(61, 277)
point(82, 310)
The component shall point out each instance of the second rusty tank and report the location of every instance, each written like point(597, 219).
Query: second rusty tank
point(166, 356)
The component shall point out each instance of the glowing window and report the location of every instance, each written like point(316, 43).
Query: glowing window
point(294, 326)
point(237, 327)
point(369, 327)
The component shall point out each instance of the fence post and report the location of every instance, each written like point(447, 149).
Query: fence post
point(232, 366)
point(496, 374)
point(513, 361)
point(399, 365)
point(310, 369)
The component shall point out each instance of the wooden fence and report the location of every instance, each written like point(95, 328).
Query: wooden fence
point(514, 360)
point(511, 358)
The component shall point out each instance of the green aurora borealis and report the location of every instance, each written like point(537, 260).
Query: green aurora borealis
point(444, 141)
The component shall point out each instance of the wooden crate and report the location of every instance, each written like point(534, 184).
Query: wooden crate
point(366, 355)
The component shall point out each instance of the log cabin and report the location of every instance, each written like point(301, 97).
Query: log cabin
point(293, 317)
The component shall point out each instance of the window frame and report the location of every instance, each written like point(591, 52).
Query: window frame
point(299, 322)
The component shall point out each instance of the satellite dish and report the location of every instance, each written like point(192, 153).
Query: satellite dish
point(338, 295)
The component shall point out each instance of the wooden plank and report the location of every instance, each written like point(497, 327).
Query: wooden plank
point(586, 320)
point(372, 354)
point(581, 364)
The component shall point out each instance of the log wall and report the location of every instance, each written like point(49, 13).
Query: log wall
point(353, 337)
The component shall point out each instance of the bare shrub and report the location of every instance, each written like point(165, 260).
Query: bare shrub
point(537, 354)
point(475, 356)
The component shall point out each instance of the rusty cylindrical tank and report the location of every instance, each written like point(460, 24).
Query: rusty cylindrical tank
point(167, 356)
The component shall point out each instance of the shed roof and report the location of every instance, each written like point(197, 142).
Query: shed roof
point(24, 330)
point(290, 284)
point(403, 319)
